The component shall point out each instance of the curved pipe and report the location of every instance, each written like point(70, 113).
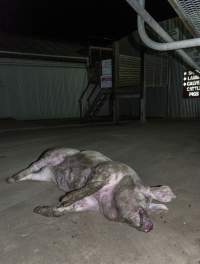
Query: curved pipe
point(172, 45)
point(143, 15)
point(155, 45)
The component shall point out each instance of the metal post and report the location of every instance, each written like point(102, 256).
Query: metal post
point(143, 90)
point(115, 81)
point(167, 86)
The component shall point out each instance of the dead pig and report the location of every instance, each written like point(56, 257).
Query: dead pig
point(92, 181)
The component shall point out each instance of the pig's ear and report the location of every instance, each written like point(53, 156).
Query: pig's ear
point(157, 208)
point(162, 194)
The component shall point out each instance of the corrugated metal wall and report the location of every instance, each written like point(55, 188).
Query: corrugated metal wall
point(129, 71)
point(40, 90)
point(156, 82)
point(180, 107)
point(156, 79)
point(164, 78)
point(164, 89)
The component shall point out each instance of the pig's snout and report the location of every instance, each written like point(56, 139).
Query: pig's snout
point(146, 224)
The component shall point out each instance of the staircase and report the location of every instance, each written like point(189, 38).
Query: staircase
point(92, 100)
point(102, 96)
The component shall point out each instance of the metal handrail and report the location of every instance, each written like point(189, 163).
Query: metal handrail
point(91, 93)
point(89, 96)
point(81, 99)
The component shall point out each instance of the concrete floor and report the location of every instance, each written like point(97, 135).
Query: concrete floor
point(161, 152)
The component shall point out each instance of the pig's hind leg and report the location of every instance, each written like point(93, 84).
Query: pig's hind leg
point(44, 174)
point(49, 158)
point(34, 168)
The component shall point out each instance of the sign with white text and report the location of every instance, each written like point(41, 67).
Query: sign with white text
point(191, 84)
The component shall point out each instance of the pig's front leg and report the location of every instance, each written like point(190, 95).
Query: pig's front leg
point(162, 193)
point(71, 200)
point(86, 204)
point(157, 208)
point(89, 189)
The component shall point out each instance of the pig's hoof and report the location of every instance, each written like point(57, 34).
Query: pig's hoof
point(47, 211)
point(11, 179)
point(15, 178)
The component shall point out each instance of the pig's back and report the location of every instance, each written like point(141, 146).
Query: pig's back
point(75, 171)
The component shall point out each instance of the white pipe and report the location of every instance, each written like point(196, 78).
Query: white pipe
point(143, 15)
point(155, 45)
point(173, 45)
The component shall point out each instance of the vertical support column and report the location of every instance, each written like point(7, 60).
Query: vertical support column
point(168, 85)
point(143, 90)
point(115, 81)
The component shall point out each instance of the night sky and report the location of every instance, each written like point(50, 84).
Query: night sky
point(75, 19)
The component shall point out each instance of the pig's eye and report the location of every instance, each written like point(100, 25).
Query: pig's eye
point(141, 211)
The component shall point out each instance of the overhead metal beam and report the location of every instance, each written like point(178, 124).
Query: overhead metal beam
point(41, 55)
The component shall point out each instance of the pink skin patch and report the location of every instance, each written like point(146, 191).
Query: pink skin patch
point(86, 204)
point(162, 194)
point(104, 198)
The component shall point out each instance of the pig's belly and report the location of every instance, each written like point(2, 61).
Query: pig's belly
point(106, 203)
point(88, 203)
point(99, 201)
